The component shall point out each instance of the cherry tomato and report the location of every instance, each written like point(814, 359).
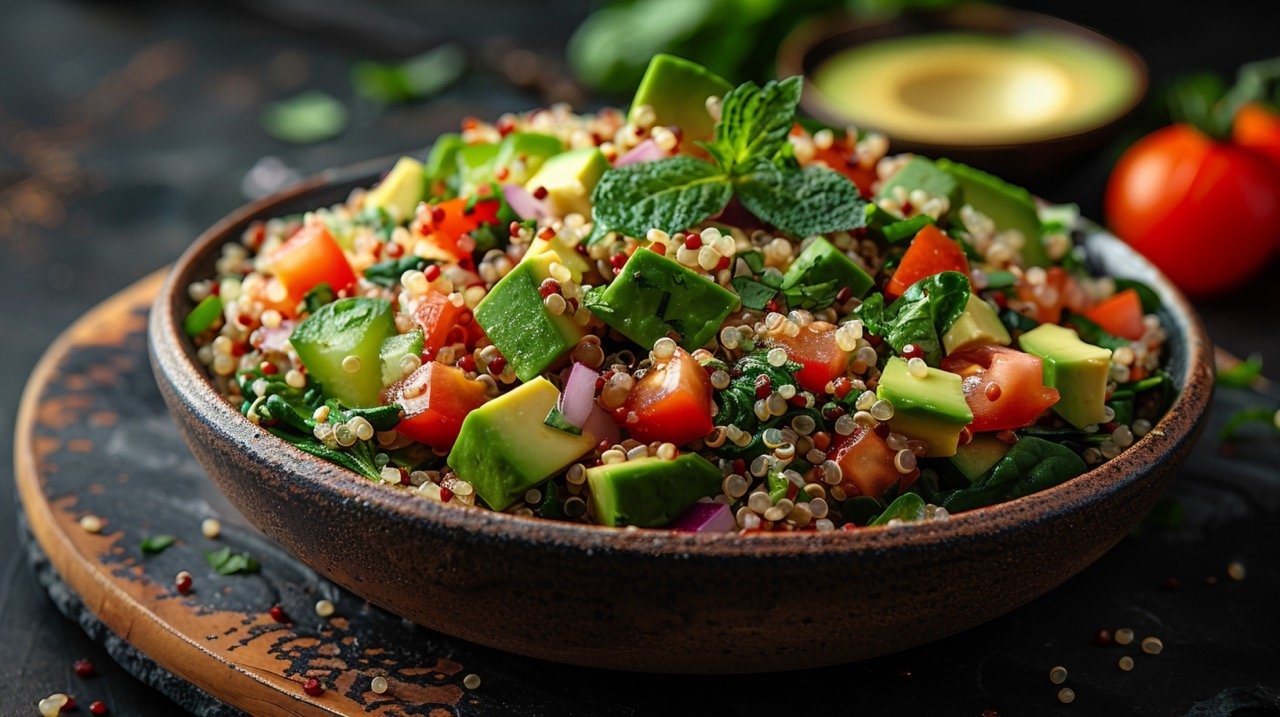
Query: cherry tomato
point(931, 252)
point(866, 461)
point(436, 398)
point(309, 258)
point(1120, 315)
point(1003, 387)
point(1207, 213)
point(672, 402)
point(444, 323)
point(1258, 128)
point(821, 359)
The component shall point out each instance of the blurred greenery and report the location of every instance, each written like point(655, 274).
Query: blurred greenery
point(737, 39)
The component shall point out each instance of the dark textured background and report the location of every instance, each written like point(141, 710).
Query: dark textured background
point(126, 128)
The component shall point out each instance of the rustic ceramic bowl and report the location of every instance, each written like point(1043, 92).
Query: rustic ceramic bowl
point(813, 42)
point(654, 600)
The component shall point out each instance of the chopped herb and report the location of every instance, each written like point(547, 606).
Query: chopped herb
point(754, 295)
point(318, 296)
point(908, 507)
point(1247, 416)
point(156, 544)
point(225, 562)
point(387, 273)
point(416, 78)
point(1243, 374)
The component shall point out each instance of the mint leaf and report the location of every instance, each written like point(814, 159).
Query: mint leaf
point(225, 562)
point(669, 194)
point(154, 544)
point(754, 122)
point(802, 202)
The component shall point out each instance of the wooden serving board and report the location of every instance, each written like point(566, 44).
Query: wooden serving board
point(94, 438)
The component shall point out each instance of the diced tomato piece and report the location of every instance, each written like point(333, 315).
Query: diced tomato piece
point(931, 252)
point(435, 399)
point(841, 159)
point(672, 402)
point(443, 323)
point(1019, 395)
point(454, 221)
point(866, 460)
point(1048, 298)
point(821, 359)
point(309, 258)
point(1120, 315)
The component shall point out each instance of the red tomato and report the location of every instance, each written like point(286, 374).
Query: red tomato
point(931, 252)
point(820, 358)
point(1120, 315)
point(1021, 395)
point(841, 158)
point(1207, 213)
point(309, 258)
point(1258, 128)
point(672, 402)
point(435, 399)
point(867, 463)
point(455, 221)
point(444, 323)
point(1048, 298)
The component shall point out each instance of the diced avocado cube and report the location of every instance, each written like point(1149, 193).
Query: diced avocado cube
point(677, 90)
point(921, 173)
point(505, 448)
point(393, 351)
point(821, 262)
point(568, 179)
point(352, 328)
point(441, 166)
point(401, 190)
point(522, 154)
point(978, 325)
point(517, 321)
point(566, 254)
point(655, 297)
point(977, 457)
point(650, 492)
point(1078, 370)
point(475, 166)
point(931, 409)
point(1009, 206)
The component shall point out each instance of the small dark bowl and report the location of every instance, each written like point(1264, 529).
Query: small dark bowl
point(655, 600)
point(813, 42)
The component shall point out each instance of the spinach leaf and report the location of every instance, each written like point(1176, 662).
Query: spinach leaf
point(1150, 299)
point(387, 273)
point(1031, 465)
point(754, 295)
point(924, 312)
point(908, 507)
point(1092, 333)
point(737, 400)
point(318, 296)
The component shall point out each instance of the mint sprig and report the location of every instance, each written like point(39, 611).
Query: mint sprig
point(752, 160)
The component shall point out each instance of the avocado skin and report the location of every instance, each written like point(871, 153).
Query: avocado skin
point(650, 492)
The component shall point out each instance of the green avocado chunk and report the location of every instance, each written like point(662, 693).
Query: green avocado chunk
point(1009, 206)
point(650, 492)
point(517, 321)
point(1078, 370)
point(677, 90)
point(655, 297)
point(921, 173)
point(505, 447)
point(821, 262)
point(352, 327)
point(401, 190)
point(978, 456)
point(442, 160)
point(931, 409)
point(977, 325)
point(568, 180)
point(516, 158)
point(393, 351)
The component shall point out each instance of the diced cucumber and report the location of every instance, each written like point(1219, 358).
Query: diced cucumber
point(393, 351)
point(341, 343)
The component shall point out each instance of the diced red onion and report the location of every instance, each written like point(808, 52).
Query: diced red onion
point(646, 151)
point(273, 340)
point(523, 203)
point(579, 395)
point(706, 517)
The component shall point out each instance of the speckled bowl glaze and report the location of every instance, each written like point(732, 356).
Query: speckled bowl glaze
point(655, 600)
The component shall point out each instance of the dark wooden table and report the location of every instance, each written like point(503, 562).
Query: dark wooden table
point(126, 128)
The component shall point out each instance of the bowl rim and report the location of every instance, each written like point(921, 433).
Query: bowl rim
point(796, 47)
point(174, 363)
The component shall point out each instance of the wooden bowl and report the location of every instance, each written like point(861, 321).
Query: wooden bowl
point(655, 600)
point(813, 42)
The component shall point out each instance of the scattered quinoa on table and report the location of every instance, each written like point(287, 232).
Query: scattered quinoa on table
point(703, 314)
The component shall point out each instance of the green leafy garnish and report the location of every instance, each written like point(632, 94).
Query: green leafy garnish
point(318, 296)
point(1090, 332)
point(225, 562)
point(908, 507)
point(203, 316)
point(737, 400)
point(156, 544)
point(1243, 374)
point(387, 273)
point(754, 294)
point(415, 78)
point(1245, 417)
point(1150, 299)
point(1031, 465)
point(752, 160)
point(924, 312)
point(309, 117)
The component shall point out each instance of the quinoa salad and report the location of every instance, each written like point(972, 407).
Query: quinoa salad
point(702, 314)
